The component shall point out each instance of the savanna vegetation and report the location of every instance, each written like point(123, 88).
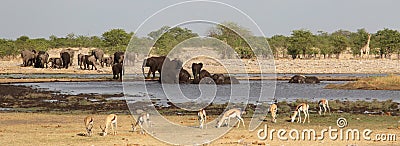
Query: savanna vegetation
point(391, 82)
point(300, 44)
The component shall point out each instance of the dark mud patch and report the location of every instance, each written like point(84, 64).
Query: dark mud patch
point(21, 98)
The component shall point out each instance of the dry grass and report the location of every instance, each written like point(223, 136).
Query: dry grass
point(391, 82)
point(67, 129)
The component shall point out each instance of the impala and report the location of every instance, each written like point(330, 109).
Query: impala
point(323, 103)
point(143, 118)
point(273, 109)
point(232, 113)
point(301, 107)
point(88, 125)
point(111, 121)
point(202, 117)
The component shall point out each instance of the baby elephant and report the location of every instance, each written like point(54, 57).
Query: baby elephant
point(117, 71)
point(56, 63)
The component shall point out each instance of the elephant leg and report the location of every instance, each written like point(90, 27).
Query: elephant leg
point(154, 74)
point(148, 74)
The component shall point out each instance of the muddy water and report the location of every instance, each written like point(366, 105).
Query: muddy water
point(136, 91)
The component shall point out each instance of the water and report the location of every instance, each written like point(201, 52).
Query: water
point(135, 91)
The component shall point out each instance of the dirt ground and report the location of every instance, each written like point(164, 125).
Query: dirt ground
point(68, 129)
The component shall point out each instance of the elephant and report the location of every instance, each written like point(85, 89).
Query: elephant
point(312, 80)
point(28, 57)
point(41, 59)
point(298, 79)
point(196, 68)
point(90, 60)
point(81, 57)
point(155, 64)
point(56, 62)
point(119, 57)
point(117, 71)
point(71, 53)
point(218, 78)
point(304, 79)
point(170, 71)
point(98, 54)
point(230, 80)
point(108, 61)
point(66, 59)
point(184, 76)
point(203, 74)
point(130, 58)
point(222, 79)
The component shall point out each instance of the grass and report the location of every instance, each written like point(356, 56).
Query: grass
point(391, 82)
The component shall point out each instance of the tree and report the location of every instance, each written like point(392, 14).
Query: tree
point(301, 41)
point(154, 35)
point(22, 43)
point(116, 37)
point(279, 45)
point(166, 42)
point(323, 42)
point(388, 41)
point(7, 47)
point(339, 42)
point(40, 44)
point(229, 33)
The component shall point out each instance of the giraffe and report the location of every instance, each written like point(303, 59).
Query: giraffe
point(365, 50)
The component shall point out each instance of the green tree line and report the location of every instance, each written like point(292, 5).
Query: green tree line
point(300, 44)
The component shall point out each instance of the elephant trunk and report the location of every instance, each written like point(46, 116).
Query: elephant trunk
point(143, 65)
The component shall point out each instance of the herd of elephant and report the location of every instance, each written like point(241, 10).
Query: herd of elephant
point(41, 60)
point(171, 71)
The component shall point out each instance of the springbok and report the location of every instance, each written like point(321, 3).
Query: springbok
point(202, 117)
point(301, 107)
point(143, 118)
point(273, 109)
point(88, 125)
point(232, 113)
point(323, 103)
point(111, 121)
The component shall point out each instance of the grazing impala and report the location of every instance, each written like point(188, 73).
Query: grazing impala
point(202, 117)
point(301, 107)
point(232, 113)
point(89, 125)
point(323, 103)
point(143, 118)
point(111, 121)
point(273, 109)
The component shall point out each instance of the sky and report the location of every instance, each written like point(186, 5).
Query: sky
point(42, 18)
